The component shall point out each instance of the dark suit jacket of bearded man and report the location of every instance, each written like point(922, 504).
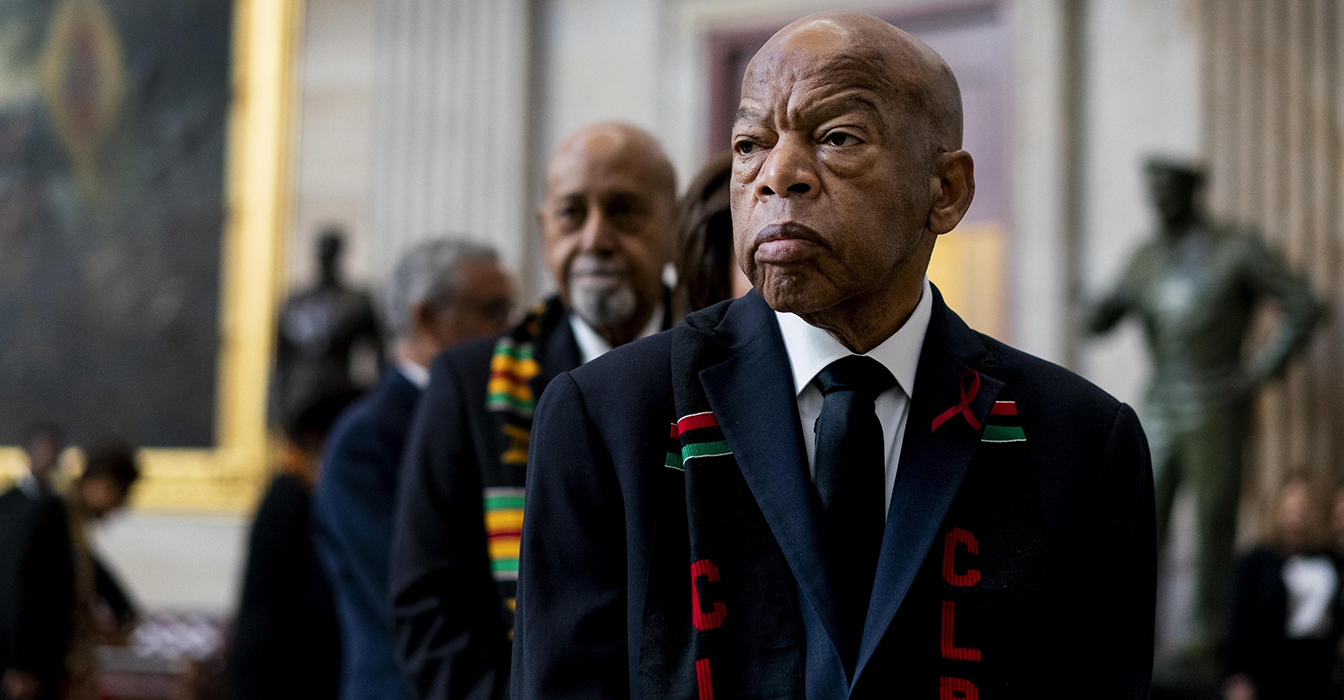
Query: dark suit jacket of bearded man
point(454, 562)
point(670, 547)
point(454, 567)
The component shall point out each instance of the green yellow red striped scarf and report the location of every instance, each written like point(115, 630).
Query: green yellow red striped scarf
point(511, 401)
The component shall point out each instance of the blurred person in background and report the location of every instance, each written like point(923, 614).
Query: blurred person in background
point(441, 293)
point(43, 444)
point(707, 272)
point(101, 610)
point(286, 642)
point(607, 232)
point(1337, 548)
point(329, 343)
point(1337, 522)
point(1285, 627)
point(36, 575)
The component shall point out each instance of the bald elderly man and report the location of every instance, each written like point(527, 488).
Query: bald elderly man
point(606, 228)
point(831, 487)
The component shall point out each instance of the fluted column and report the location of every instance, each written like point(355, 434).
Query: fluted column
point(449, 126)
point(1274, 82)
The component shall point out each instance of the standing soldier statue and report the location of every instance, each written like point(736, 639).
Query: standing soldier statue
point(1195, 287)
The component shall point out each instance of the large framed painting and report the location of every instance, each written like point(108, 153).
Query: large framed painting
point(142, 185)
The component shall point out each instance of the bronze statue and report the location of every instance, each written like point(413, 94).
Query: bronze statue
point(1195, 288)
point(321, 330)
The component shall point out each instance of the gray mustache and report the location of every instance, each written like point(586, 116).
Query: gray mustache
point(596, 267)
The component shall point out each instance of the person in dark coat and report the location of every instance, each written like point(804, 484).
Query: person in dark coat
point(34, 549)
point(58, 600)
point(102, 612)
point(43, 445)
point(441, 293)
point(36, 594)
point(832, 487)
point(286, 642)
point(1286, 618)
point(606, 234)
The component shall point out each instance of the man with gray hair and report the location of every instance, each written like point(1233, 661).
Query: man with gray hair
point(441, 293)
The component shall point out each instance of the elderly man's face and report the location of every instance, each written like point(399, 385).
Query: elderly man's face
point(605, 226)
point(831, 176)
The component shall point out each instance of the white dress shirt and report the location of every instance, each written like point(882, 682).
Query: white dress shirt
point(811, 349)
point(592, 345)
point(414, 373)
point(30, 486)
point(1311, 582)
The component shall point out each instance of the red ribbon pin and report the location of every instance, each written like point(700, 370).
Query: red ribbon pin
point(964, 406)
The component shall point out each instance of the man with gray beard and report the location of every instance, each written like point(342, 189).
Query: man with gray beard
point(606, 225)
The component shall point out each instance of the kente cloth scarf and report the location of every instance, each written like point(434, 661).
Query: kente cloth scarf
point(733, 631)
point(511, 399)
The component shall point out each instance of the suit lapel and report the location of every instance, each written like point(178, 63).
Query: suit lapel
point(931, 467)
point(557, 350)
point(759, 418)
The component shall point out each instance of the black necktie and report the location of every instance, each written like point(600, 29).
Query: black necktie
point(850, 478)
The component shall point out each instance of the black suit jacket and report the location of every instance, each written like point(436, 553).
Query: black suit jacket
point(450, 618)
point(36, 587)
point(286, 642)
point(1258, 645)
point(1018, 561)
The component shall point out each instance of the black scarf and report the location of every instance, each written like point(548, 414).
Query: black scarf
point(712, 535)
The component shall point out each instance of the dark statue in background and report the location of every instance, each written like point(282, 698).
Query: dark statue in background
point(112, 120)
point(329, 342)
point(1195, 288)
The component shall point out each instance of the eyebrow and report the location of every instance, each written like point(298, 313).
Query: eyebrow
point(747, 113)
point(853, 100)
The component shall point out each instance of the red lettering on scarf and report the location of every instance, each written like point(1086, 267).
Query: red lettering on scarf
point(957, 689)
point(948, 638)
point(714, 619)
point(704, 681)
point(955, 537)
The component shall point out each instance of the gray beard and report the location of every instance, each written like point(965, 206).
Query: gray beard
point(604, 310)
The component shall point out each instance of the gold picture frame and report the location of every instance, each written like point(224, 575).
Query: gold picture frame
point(229, 476)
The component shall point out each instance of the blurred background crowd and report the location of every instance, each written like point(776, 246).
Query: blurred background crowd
point(229, 228)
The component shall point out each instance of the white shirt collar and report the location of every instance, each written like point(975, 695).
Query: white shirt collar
point(414, 373)
point(30, 486)
point(810, 348)
point(592, 345)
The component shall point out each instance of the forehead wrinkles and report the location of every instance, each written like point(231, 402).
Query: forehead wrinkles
point(794, 83)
